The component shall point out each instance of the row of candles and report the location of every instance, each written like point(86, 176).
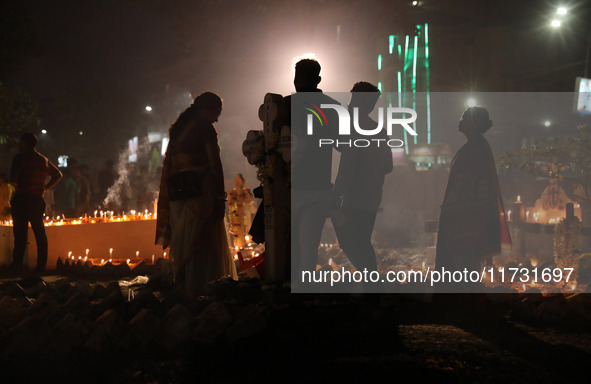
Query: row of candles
point(535, 216)
point(95, 261)
point(99, 216)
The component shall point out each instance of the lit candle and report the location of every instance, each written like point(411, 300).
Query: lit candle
point(165, 255)
point(111, 252)
point(152, 259)
point(87, 253)
point(509, 215)
point(137, 254)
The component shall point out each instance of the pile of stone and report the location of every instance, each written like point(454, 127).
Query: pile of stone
point(67, 315)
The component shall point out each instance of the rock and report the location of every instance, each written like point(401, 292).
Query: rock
point(176, 326)
point(29, 282)
point(211, 323)
point(28, 336)
point(144, 299)
point(141, 268)
point(45, 305)
point(68, 335)
point(78, 304)
point(11, 312)
point(84, 287)
point(36, 290)
point(248, 322)
point(122, 270)
point(15, 290)
point(61, 285)
point(106, 332)
point(145, 327)
point(171, 299)
point(114, 300)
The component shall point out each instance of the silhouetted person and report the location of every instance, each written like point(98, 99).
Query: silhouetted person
point(28, 173)
point(311, 165)
point(359, 183)
point(472, 224)
point(192, 199)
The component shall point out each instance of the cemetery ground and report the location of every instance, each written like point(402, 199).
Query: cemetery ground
point(76, 326)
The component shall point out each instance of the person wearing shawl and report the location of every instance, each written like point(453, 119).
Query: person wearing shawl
point(472, 224)
point(191, 202)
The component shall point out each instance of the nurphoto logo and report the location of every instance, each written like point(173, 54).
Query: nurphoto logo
point(393, 116)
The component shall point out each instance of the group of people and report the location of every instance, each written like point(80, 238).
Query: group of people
point(192, 198)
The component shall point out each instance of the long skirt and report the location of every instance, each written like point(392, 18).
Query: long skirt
point(199, 244)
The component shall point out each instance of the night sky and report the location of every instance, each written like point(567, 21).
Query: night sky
point(96, 65)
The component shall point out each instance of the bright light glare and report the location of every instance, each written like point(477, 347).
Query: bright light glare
point(547, 123)
point(556, 23)
point(415, 3)
point(44, 131)
point(148, 108)
point(561, 11)
point(295, 60)
point(80, 133)
point(470, 103)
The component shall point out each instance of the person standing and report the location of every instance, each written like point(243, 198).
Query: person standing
point(28, 173)
point(192, 199)
point(311, 166)
point(472, 224)
point(359, 183)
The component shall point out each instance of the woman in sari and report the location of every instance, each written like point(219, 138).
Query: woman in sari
point(472, 225)
point(191, 203)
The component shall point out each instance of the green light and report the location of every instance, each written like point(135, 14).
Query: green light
point(399, 50)
point(399, 88)
point(414, 64)
point(427, 42)
point(379, 62)
point(380, 86)
point(406, 56)
point(418, 26)
point(391, 44)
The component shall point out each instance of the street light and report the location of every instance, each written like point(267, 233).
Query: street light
point(44, 131)
point(556, 23)
point(561, 11)
point(148, 108)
